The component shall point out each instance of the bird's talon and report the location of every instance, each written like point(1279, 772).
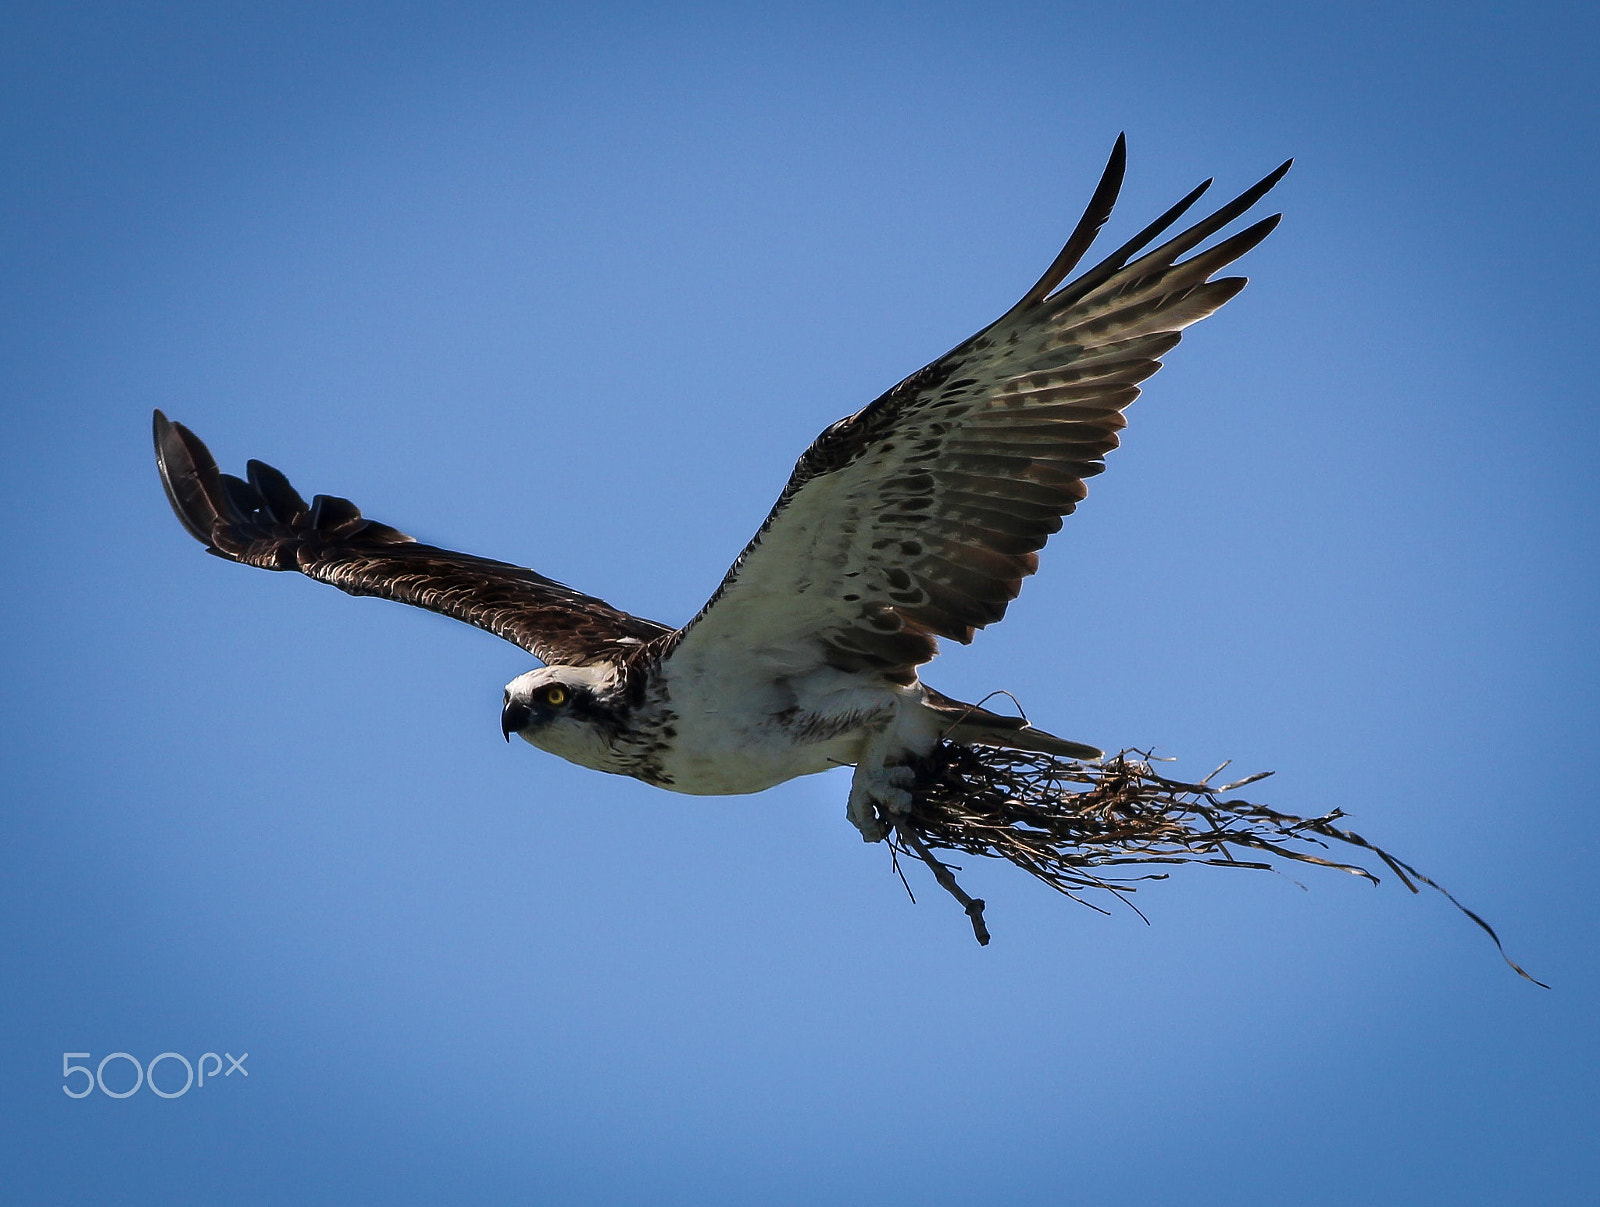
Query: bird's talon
point(878, 795)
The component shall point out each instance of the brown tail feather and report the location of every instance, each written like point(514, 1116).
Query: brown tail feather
point(979, 727)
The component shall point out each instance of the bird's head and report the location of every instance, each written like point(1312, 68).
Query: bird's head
point(568, 710)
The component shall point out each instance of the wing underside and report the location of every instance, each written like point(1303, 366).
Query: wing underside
point(919, 516)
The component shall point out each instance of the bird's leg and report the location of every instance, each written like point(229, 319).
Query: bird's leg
point(879, 790)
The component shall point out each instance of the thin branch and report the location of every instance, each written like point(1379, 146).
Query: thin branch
point(1057, 819)
point(947, 881)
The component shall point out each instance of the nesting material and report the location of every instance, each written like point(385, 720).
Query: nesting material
point(1061, 820)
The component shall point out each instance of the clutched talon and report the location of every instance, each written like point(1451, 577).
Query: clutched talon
point(862, 811)
point(873, 828)
point(899, 778)
point(877, 794)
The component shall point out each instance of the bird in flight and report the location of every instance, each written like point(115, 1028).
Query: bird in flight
point(916, 518)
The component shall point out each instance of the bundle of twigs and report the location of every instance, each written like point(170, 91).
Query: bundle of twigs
point(1058, 819)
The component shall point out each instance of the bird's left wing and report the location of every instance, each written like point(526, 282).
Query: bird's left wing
point(919, 516)
point(264, 522)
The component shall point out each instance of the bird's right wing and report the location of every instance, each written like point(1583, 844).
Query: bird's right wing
point(264, 522)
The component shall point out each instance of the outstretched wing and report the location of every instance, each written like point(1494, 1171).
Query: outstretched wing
point(919, 516)
point(264, 522)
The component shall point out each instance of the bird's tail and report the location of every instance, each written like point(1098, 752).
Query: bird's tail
point(975, 726)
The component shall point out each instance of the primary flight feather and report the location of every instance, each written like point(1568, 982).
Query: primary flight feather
point(916, 518)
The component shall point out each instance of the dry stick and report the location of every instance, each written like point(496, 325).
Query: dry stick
point(1017, 806)
point(941, 873)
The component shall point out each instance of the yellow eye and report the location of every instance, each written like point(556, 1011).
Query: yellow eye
point(555, 695)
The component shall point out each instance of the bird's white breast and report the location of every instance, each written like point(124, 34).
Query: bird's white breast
point(740, 734)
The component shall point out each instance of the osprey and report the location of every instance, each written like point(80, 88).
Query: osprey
point(916, 518)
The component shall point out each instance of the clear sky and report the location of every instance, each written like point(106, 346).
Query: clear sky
point(572, 286)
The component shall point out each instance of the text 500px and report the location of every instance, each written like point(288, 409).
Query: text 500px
point(194, 1075)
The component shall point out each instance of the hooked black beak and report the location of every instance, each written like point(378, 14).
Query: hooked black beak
point(513, 717)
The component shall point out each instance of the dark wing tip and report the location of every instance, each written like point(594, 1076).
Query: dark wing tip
point(228, 514)
point(334, 513)
point(1083, 235)
point(282, 500)
point(1168, 252)
point(189, 475)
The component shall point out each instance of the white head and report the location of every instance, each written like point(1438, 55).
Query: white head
point(570, 711)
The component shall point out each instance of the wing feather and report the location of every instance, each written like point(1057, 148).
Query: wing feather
point(264, 522)
point(919, 516)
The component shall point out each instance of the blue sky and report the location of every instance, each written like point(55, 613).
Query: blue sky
point(573, 288)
